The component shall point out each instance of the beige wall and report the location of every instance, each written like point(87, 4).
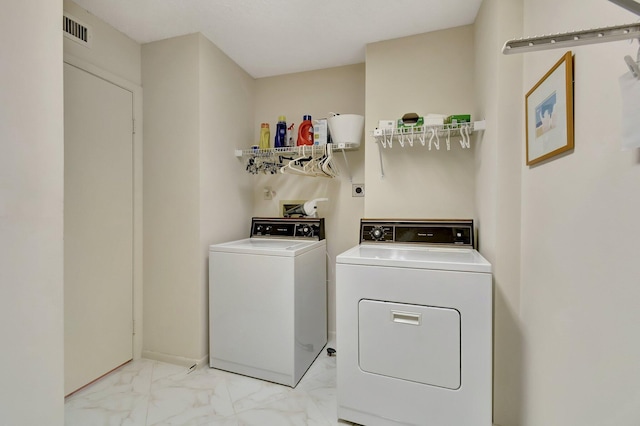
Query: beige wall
point(172, 284)
point(317, 93)
point(117, 59)
point(427, 73)
point(226, 118)
point(31, 203)
point(580, 227)
point(110, 50)
point(498, 158)
point(198, 107)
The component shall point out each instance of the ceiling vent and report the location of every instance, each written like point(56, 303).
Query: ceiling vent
point(76, 30)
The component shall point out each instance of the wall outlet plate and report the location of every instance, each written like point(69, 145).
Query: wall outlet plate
point(357, 190)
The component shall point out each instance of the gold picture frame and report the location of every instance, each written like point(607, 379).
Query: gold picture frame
point(549, 113)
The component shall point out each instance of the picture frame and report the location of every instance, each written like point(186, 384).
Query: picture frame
point(549, 113)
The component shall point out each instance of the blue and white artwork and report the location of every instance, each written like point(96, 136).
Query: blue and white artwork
point(546, 117)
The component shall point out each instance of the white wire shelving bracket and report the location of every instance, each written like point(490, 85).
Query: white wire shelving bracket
point(430, 136)
point(277, 160)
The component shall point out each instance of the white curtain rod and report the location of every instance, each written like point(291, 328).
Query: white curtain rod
point(574, 38)
point(578, 38)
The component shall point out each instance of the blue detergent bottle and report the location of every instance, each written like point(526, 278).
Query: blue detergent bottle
point(280, 139)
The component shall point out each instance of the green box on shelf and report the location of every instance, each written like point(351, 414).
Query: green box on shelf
point(405, 126)
point(457, 119)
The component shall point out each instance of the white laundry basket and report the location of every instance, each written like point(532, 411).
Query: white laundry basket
point(346, 128)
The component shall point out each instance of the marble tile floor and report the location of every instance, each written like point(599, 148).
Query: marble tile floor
point(146, 392)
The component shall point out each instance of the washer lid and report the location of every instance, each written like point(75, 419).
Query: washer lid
point(421, 257)
point(267, 246)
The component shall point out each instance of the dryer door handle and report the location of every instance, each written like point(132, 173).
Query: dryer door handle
point(401, 317)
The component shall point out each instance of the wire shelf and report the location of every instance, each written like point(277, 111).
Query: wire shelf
point(305, 160)
point(428, 135)
point(292, 150)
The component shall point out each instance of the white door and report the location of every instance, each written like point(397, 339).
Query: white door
point(98, 227)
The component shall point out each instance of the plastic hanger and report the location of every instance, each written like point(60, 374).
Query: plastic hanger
point(434, 134)
point(633, 66)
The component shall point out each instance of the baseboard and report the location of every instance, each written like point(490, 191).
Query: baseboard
point(177, 360)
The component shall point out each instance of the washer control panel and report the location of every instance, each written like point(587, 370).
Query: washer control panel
point(437, 232)
point(278, 227)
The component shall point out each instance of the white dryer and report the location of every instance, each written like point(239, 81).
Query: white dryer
point(268, 300)
point(414, 317)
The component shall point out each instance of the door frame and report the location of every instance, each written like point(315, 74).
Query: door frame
point(137, 188)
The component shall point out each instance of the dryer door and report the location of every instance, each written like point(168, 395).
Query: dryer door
point(410, 342)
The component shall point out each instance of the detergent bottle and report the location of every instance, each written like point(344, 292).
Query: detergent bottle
point(281, 133)
point(264, 136)
point(305, 131)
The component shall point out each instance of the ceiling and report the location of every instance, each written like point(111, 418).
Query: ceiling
point(273, 37)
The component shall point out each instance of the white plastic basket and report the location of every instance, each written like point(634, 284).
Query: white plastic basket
point(346, 128)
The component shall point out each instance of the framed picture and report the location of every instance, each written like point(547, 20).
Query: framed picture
point(549, 113)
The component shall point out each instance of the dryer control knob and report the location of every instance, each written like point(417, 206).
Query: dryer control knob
point(259, 229)
point(377, 233)
point(267, 229)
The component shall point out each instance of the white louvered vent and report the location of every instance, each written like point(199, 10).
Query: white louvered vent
point(76, 30)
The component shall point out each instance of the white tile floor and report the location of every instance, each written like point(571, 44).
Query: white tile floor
point(146, 392)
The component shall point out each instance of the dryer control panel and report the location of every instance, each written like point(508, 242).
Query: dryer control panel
point(438, 232)
point(279, 227)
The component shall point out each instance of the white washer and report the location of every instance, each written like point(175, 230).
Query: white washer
point(267, 300)
point(414, 311)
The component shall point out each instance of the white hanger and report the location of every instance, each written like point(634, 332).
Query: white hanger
point(291, 166)
point(633, 65)
point(328, 167)
point(464, 136)
point(434, 134)
point(449, 139)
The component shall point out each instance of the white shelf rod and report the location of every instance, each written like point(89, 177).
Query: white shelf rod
point(574, 38)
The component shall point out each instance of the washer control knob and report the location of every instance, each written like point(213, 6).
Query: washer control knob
point(259, 229)
point(377, 233)
point(307, 231)
point(267, 229)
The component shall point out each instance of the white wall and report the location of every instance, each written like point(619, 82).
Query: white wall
point(172, 274)
point(427, 73)
point(579, 291)
point(198, 108)
point(317, 93)
point(31, 202)
point(116, 58)
point(498, 158)
point(226, 118)
point(110, 50)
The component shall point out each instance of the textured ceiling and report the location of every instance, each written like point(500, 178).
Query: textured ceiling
point(273, 37)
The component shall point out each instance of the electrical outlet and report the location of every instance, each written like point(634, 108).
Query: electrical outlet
point(357, 190)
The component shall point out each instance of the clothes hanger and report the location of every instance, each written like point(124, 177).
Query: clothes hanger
point(633, 66)
point(434, 134)
point(328, 166)
point(293, 165)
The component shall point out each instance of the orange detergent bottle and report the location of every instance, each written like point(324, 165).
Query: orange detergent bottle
point(305, 131)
